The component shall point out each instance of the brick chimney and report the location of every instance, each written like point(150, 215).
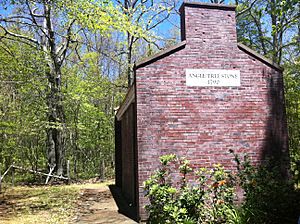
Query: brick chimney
point(208, 25)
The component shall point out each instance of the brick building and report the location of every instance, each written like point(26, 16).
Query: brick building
point(198, 99)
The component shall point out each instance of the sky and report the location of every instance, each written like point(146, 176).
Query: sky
point(168, 28)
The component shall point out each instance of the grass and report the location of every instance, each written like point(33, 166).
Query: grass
point(41, 204)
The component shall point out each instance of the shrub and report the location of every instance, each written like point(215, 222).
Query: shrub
point(209, 199)
point(207, 195)
point(269, 196)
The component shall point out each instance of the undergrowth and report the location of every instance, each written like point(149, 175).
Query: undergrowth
point(177, 193)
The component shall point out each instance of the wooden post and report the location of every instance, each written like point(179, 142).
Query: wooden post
point(103, 167)
point(102, 171)
point(13, 176)
point(68, 171)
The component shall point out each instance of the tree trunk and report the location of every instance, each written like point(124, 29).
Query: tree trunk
point(75, 140)
point(274, 31)
point(55, 131)
point(55, 137)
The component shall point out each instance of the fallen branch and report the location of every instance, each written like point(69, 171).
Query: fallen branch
point(50, 172)
point(37, 172)
point(1, 177)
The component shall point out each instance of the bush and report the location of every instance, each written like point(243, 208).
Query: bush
point(209, 199)
point(207, 196)
point(269, 196)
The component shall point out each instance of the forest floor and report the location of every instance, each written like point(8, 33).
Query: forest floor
point(84, 203)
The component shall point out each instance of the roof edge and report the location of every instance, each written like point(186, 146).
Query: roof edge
point(209, 5)
point(129, 98)
point(259, 57)
point(160, 55)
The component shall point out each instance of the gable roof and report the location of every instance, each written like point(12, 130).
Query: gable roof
point(260, 57)
point(208, 5)
point(182, 45)
point(128, 100)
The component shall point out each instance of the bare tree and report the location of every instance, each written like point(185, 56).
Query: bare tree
point(138, 11)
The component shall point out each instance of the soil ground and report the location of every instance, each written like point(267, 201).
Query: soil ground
point(77, 204)
point(98, 206)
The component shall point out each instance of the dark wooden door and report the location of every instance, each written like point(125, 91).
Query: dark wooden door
point(128, 155)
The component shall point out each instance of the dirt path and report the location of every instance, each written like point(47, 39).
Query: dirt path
point(98, 206)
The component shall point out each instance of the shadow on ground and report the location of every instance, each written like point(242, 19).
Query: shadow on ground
point(98, 206)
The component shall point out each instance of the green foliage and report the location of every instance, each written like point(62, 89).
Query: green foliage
point(269, 196)
point(208, 200)
point(292, 95)
point(207, 195)
point(22, 107)
point(102, 16)
point(89, 92)
point(90, 99)
point(269, 27)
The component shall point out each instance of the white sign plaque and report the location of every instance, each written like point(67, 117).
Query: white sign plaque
point(212, 77)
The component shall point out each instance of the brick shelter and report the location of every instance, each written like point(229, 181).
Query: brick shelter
point(199, 99)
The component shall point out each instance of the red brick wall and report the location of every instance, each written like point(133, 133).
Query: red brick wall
point(203, 123)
